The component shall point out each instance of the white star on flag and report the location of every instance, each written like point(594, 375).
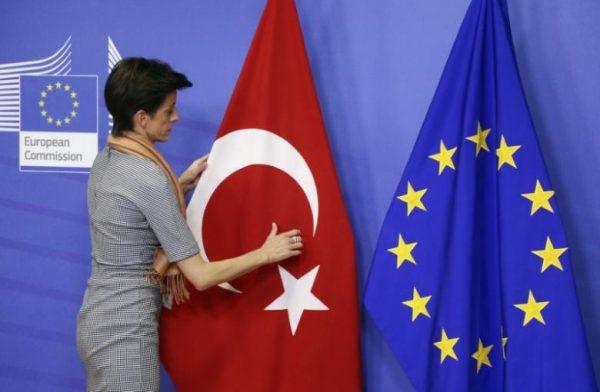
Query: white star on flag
point(297, 296)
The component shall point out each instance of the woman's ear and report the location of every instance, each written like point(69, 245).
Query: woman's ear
point(140, 119)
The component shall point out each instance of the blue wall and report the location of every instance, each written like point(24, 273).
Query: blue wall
point(375, 64)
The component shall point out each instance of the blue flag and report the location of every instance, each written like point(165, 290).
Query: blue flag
point(471, 283)
point(59, 103)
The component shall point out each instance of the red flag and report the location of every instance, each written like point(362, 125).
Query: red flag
point(293, 326)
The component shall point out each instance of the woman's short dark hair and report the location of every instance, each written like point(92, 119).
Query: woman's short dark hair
point(137, 83)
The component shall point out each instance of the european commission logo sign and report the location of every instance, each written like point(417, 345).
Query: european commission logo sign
point(54, 112)
point(59, 122)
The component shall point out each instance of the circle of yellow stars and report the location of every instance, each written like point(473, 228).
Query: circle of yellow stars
point(45, 94)
point(550, 255)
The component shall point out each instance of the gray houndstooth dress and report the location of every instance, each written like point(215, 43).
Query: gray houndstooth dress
point(132, 209)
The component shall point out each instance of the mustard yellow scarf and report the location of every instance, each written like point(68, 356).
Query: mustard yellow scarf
point(167, 276)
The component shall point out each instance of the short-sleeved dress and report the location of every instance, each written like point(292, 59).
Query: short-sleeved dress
point(132, 208)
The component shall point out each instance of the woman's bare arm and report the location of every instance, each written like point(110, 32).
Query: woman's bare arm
point(277, 247)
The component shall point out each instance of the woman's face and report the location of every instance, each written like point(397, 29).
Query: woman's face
point(158, 126)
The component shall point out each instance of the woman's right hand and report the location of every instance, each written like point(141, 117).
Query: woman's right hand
point(278, 247)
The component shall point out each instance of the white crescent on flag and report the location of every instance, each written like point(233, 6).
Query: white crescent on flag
point(237, 150)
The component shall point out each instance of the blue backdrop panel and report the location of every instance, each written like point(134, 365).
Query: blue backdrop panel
point(375, 65)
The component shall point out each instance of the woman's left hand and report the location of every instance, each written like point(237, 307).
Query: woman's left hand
point(190, 177)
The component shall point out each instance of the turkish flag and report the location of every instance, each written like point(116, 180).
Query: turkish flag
point(286, 327)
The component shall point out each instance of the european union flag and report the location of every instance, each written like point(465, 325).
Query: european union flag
point(471, 283)
point(59, 103)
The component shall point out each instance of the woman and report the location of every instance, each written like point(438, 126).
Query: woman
point(135, 204)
